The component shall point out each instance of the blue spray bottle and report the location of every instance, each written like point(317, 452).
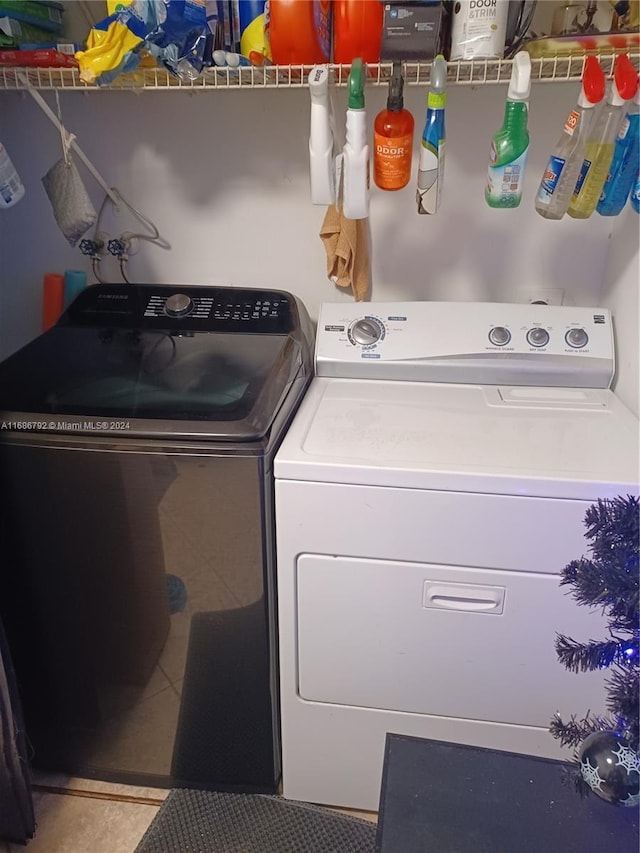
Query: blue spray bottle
point(635, 194)
point(625, 164)
point(431, 163)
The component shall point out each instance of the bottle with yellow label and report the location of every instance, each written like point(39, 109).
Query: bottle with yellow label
point(598, 152)
point(560, 175)
point(393, 138)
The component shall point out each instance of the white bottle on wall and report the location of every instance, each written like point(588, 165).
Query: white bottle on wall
point(479, 29)
point(11, 187)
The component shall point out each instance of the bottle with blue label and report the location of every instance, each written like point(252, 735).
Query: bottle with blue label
point(635, 194)
point(560, 176)
point(510, 145)
point(598, 151)
point(11, 187)
point(625, 165)
point(431, 162)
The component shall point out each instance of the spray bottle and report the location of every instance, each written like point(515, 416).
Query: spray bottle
point(625, 164)
point(431, 164)
point(355, 154)
point(635, 194)
point(510, 145)
point(559, 178)
point(598, 152)
point(321, 155)
point(11, 187)
point(393, 138)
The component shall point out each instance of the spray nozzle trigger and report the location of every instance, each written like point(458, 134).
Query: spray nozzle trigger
point(593, 82)
point(356, 85)
point(319, 84)
point(395, 101)
point(520, 83)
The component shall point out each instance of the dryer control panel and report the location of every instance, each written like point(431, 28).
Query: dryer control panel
point(467, 342)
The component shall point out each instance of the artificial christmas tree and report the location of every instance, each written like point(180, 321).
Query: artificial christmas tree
point(607, 746)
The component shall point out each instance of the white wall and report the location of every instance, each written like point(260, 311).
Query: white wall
point(224, 174)
point(620, 295)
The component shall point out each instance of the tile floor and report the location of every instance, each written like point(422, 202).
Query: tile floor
point(87, 816)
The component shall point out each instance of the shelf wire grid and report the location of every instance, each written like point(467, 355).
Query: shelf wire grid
point(468, 72)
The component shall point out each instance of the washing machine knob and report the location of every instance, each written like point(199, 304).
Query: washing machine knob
point(178, 305)
point(365, 331)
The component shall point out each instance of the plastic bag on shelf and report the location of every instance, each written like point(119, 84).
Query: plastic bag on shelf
point(179, 40)
point(172, 31)
point(114, 44)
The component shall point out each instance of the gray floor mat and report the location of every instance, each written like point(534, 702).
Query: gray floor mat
point(213, 822)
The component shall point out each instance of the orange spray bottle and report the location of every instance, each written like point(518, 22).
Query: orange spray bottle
point(393, 138)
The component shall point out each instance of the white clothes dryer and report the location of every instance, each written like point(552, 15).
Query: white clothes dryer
point(431, 488)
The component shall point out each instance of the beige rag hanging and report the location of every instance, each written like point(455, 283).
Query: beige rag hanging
point(346, 243)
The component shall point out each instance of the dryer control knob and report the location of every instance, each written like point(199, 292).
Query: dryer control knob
point(178, 305)
point(365, 331)
point(499, 336)
point(538, 337)
point(577, 338)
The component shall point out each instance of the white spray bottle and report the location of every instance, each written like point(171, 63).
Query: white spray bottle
point(321, 143)
point(355, 156)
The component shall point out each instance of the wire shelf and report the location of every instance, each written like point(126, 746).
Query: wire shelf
point(472, 72)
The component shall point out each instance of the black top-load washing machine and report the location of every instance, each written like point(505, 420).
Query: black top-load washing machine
point(137, 439)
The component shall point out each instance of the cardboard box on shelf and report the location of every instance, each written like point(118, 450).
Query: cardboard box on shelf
point(413, 29)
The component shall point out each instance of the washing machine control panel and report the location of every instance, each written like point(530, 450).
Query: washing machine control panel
point(487, 342)
point(184, 309)
point(223, 307)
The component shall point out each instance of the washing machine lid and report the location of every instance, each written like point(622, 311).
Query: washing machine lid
point(151, 360)
point(550, 442)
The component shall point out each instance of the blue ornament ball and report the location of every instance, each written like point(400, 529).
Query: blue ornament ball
point(610, 768)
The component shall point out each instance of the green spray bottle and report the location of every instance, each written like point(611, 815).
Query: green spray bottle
point(510, 145)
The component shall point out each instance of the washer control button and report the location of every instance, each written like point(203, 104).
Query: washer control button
point(577, 338)
point(365, 331)
point(538, 337)
point(178, 305)
point(499, 336)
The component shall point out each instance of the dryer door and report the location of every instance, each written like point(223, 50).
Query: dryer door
point(450, 641)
